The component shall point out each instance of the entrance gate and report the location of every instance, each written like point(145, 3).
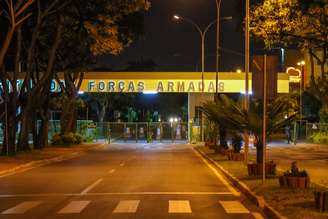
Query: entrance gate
point(147, 132)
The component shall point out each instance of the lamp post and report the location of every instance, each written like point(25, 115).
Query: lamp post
point(302, 83)
point(218, 9)
point(247, 61)
point(202, 36)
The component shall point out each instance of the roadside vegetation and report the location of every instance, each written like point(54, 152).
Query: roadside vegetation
point(42, 41)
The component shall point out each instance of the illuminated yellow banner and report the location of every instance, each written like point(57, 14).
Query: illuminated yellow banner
point(162, 86)
point(167, 82)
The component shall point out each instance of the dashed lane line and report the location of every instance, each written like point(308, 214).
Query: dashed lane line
point(111, 171)
point(89, 188)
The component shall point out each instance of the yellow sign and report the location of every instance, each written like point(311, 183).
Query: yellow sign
point(167, 82)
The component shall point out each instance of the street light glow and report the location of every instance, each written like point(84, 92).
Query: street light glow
point(301, 63)
point(238, 71)
point(176, 17)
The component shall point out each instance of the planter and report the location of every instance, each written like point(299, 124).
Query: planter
point(226, 152)
point(257, 169)
point(210, 145)
point(283, 181)
point(236, 156)
point(301, 182)
point(321, 200)
point(298, 182)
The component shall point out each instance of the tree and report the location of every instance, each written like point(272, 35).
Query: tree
point(297, 23)
point(15, 13)
point(40, 44)
point(281, 111)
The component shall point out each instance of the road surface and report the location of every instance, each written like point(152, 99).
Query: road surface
point(120, 181)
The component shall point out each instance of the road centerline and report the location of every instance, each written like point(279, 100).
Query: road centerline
point(90, 187)
point(111, 171)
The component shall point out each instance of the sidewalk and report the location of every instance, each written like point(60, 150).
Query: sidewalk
point(311, 157)
point(23, 158)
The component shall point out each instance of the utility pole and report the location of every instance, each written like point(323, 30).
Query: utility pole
point(247, 62)
point(218, 8)
point(264, 116)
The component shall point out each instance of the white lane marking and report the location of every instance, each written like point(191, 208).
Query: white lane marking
point(21, 208)
point(89, 188)
point(257, 215)
point(234, 207)
point(218, 175)
point(114, 193)
point(74, 207)
point(111, 171)
point(127, 206)
point(179, 206)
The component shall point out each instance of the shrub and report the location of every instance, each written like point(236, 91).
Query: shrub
point(66, 139)
point(319, 138)
point(79, 138)
point(237, 142)
point(294, 171)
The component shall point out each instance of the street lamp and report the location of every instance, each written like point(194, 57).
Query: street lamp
point(202, 36)
point(302, 84)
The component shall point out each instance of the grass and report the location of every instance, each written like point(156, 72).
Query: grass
point(292, 203)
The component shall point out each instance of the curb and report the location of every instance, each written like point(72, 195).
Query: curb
point(40, 163)
point(269, 211)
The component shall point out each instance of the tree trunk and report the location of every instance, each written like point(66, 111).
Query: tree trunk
point(23, 143)
point(312, 67)
point(102, 112)
point(68, 117)
point(9, 141)
point(6, 44)
point(259, 151)
point(223, 137)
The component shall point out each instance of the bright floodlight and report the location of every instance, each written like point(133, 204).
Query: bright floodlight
point(301, 63)
point(171, 120)
point(238, 71)
point(176, 17)
point(175, 119)
point(149, 92)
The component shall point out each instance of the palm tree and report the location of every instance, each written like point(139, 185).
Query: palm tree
point(230, 113)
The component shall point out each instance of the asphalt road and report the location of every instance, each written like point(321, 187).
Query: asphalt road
point(125, 181)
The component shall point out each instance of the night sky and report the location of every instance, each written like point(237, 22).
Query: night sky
point(175, 46)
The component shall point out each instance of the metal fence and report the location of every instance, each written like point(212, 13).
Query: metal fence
point(313, 128)
point(149, 132)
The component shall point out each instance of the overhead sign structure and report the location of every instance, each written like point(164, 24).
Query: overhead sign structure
point(167, 82)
